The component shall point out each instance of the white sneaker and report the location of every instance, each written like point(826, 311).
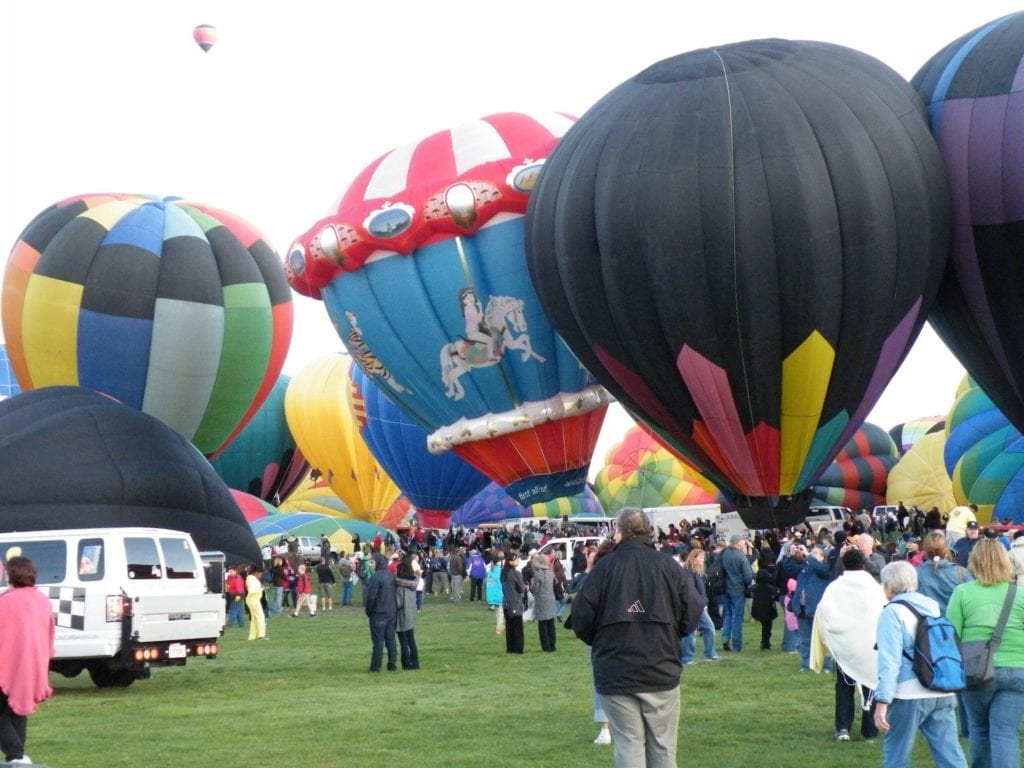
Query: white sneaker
point(604, 737)
point(23, 760)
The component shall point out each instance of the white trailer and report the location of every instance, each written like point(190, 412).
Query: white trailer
point(660, 517)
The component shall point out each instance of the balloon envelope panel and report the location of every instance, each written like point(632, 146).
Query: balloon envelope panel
point(172, 307)
point(857, 478)
point(435, 484)
point(491, 505)
point(920, 478)
point(328, 436)
point(263, 459)
point(706, 236)
point(109, 465)
point(976, 107)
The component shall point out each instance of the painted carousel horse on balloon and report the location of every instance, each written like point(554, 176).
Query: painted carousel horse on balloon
point(489, 333)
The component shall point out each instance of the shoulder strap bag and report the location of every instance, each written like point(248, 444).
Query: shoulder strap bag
point(979, 656)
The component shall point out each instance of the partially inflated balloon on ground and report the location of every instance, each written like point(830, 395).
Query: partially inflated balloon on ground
point(174, 308)
point(920, 478)
point(984, 455)
point(909, 432)
point(857, 478)
point(74, 458)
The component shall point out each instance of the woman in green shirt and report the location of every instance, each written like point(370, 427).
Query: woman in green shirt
point(994, 710)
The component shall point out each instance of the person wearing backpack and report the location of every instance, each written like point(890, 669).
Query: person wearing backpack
point(902, 704)
point(995, 708)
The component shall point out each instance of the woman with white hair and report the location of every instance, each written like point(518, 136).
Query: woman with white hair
point(902, 705)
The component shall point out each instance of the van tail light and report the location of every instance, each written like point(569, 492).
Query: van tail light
point(118, 607)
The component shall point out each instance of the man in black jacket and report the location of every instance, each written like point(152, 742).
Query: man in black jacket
point(632, 609)
point(382, 609)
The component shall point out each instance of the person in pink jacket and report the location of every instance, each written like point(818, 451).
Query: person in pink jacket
point(26, 647)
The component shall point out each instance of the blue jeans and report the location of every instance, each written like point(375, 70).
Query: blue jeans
point(732, 626)
point(936, 718)
point(382, 632)
point(803, 633)
point(236, 614)
point(995, 711)
point(688, 644)
point(276, 599)
point(346, 592)
point(790, 638)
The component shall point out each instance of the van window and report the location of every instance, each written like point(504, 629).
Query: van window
point(181, 561)
point(142, 558)
point(90, 559)
point(50, 558)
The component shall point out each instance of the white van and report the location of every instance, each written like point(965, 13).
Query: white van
point(564, 549)
point(124, 599)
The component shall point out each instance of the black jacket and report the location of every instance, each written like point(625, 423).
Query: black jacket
point(632, 609)
point(380, 598)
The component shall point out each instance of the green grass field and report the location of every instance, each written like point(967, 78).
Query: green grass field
point(304, 698)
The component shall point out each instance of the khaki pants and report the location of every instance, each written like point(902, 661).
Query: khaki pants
point(644, 728)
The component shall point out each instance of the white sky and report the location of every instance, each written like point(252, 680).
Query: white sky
point(297, 97)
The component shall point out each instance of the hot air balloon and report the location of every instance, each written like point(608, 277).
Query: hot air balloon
point(270, 529)
point(328, 436)
point(909, 432)
point(984, 456)
point(920, 478)
point(423, 274)
point(8, 382)
point(252, 507)
point(711, 237)
point(436, 485)
point(977, 116)
point(641, 472)
point(263, 460)
point(585, 504)
point(490, 505)
point(172, 307)
point(313, 494)
point(857, 477)
point(205, 36)
point(74, 458)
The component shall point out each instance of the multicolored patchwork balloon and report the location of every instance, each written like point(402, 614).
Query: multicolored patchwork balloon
point(174, 308)
point(422, 270)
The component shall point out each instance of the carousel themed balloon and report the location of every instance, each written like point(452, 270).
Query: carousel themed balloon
point(712, 238)
point(74, 458)
point(857, 477)
point(422, 270)
point(975, 101)
point(328, 435)
point(172, 307)
point(436, 485)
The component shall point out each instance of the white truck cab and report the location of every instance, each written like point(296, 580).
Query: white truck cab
point(124, 599)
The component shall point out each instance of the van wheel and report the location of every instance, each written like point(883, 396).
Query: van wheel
point(112, 677)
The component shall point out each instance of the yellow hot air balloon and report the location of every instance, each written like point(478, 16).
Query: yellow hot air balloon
point(318, 415)
point(920, 477)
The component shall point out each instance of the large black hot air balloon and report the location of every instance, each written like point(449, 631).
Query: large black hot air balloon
point(741, 243)
point(974, 91)
point(73, 458)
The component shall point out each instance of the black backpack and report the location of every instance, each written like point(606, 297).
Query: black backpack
point(715, 576)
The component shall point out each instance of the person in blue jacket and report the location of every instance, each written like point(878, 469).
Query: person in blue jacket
point(810, 586)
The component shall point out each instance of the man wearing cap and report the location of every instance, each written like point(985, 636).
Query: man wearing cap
point(632, 610)
point(738, 576)
point(962, 548)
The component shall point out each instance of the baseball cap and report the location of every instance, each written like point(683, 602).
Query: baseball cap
point(736, 538)
point(973, 524)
